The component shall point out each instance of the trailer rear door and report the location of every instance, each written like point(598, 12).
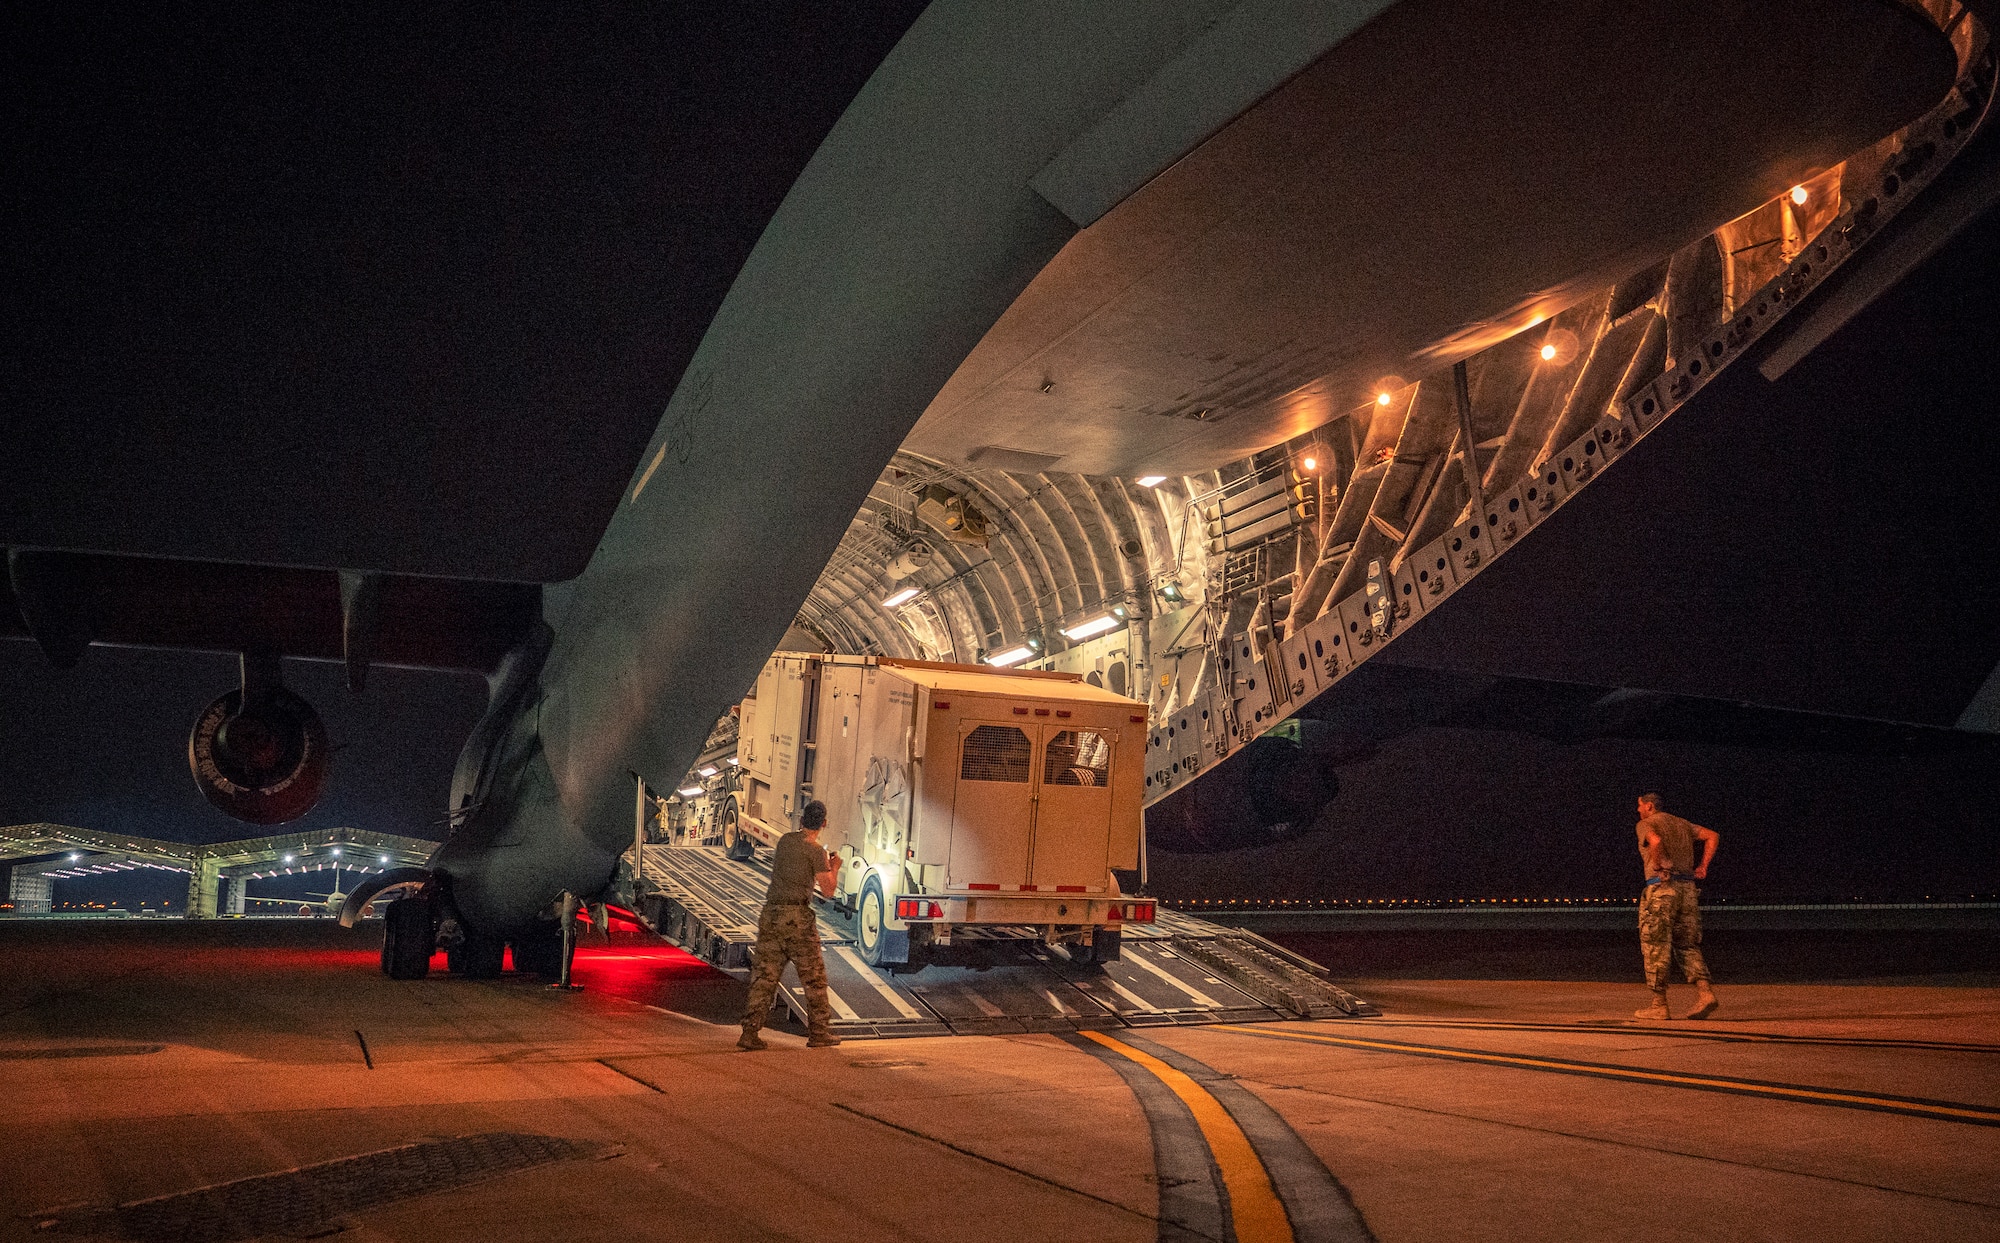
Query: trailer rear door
point(993, 812)
point(1072, 842)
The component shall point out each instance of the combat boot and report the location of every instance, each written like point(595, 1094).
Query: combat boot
point(822, 1040)
point(1704, 1001)
point(751, 1042)
point(1658, 1010)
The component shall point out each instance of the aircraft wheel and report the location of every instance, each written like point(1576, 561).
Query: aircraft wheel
point(477, 958)
point(736, 843)
point(408, 939)
point(871, 924)
point(540, 952)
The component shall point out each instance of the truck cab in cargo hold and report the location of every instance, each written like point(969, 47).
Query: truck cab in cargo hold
point(965, 802)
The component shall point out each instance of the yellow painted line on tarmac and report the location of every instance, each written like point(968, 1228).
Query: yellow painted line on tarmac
point(1747, 1087)
point(1254, 1207)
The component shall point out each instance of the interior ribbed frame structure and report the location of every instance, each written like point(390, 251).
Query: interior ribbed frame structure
point(1390, 491)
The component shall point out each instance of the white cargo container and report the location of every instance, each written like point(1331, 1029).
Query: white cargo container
point(957, 796)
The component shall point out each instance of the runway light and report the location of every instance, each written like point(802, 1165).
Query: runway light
point(901, 598)
point(1151, 481)
point(689, 791)
point(1089, 629)
point(708, 770)
point(1799, 195)
point(1012, 656)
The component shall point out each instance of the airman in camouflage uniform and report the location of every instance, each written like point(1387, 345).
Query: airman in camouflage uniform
point(1669, 910)
point(788, 930)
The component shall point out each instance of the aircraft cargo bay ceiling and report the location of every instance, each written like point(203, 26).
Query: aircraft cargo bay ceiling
point(1406, 201)
point(1229, 593)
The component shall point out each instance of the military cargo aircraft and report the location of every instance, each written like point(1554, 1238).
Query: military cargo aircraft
point(986, 299)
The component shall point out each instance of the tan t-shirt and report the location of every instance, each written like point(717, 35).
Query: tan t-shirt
point(1676, 842)
point(794, 864)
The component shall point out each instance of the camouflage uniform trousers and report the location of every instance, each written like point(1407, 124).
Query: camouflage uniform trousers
point(788, 933)
point(1669, 930)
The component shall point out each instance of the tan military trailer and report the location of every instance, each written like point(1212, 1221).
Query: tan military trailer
point(961, 799)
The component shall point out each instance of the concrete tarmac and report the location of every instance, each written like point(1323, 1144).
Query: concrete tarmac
point(260, 1078)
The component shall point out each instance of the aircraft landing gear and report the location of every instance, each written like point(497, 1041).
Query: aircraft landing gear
point(477, 958)
point(540, 951)
point(408, 939)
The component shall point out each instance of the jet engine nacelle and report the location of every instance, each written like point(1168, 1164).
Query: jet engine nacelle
point(259, 754)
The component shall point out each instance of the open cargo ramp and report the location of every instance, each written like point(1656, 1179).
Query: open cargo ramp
point(1179, 970)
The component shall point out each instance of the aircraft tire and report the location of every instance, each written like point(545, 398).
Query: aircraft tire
point(408, 939)
point(481, 958)
point(540, 952)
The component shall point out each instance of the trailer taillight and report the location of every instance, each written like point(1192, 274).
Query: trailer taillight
point(1132, 912)
point(918, 908)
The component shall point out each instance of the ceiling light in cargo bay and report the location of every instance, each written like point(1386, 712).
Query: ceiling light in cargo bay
point(1151, 481)
point(708, 770)
point(1012, 656)
point(1310, 464)
point(901, 598)
point(1383, 399)
point(1559, 346)
point(689, 791)
point(1170, 591)
point(1089, 629)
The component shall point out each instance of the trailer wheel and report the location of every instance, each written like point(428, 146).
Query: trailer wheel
point(871, 925)
point(735, 842)
point(1105, 945)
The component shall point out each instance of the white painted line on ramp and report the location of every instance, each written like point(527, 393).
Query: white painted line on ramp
point(1201, 998)
point(867, 973)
